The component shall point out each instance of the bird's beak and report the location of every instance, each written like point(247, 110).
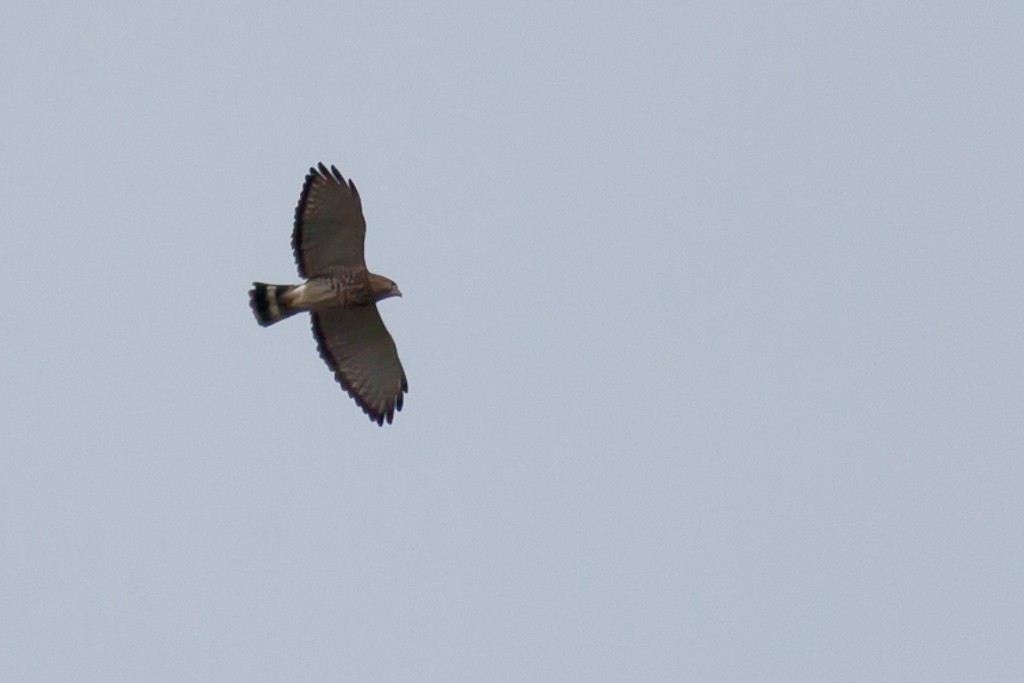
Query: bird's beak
point(398, 291)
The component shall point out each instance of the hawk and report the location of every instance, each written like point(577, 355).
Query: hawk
point(340, 294)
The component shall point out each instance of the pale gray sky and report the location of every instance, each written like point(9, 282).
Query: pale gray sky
point(712, 323)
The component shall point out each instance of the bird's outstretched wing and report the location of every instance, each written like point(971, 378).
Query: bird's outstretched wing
point(357, 347)
point(329, 225)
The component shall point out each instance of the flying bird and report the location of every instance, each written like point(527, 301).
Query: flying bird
point(340, 293)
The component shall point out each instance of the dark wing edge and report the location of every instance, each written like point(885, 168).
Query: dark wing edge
point(314, 177)
point(378, 416)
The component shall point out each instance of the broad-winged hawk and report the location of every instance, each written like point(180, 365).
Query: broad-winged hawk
point(340, 294)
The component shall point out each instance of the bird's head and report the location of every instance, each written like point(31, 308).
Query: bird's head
point(384, 288)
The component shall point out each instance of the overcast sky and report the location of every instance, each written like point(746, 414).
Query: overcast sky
point(712, 324)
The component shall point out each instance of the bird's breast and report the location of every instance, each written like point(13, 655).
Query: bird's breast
point(345, 290)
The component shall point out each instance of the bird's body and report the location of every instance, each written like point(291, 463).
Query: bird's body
point(273, 303)
point(340, 293)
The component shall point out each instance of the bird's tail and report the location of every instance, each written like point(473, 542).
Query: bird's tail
point(268, 303)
